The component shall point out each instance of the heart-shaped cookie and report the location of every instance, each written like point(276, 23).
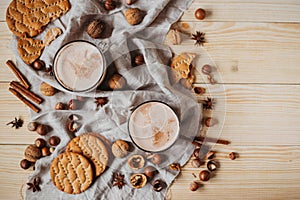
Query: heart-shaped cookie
point(31, 16)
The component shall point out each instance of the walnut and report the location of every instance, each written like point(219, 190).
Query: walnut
point(120, 148)
point(32, 153)
point(95, 28)
point(116, 82)
point(47, 90)
point(134, 16)
point(138, 180)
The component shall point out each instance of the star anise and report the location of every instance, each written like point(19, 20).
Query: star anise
point(199, 37)
point(118, 180)
point(209, 104)
point(17, 123)
point(35, 185)
point(101, 101)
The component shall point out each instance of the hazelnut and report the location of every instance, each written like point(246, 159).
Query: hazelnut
point(130, 2)
point(73, 127)
point(206, 69)
point(138, 180)
point(109, 5)
point(134, 16)
point(95, 28)
point(136, 162)
point(199, 90)
point(42, 129)
point(45, 151)
point(233, 155)
point(32, 126)
point(210, 155)
point(32, 153)
point(194, 186)
point(175, 167)
point(54, 140)
point(120, 148)
point(197, 162)
point(204, 175)
point(159, 185)
point(200, 14)
point(157, 159)
point(40, 143)
point(47, 90)
point(116, 82)
point(25, 164)
point(211, 165)
point(38, 64)
point(51, 149)
point(197, 153)
point(139, 59)
point(73, 104)
point(73, 117)
point(208, 122)
point(60, 106)
point(150, 172)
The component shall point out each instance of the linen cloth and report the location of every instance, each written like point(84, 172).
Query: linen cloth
point(144, 83)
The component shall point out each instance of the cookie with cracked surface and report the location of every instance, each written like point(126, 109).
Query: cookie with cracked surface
point(92, 148)
point(71, 173)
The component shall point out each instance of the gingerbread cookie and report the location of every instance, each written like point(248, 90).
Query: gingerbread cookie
point(31, 17)
point(71, 173)
point(92, 148)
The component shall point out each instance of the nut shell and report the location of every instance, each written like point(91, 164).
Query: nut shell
point(159, 185)
point(120, 148)
point(138, 180)
point(116, 82)
point(32, 153)
point(134, 16)
point(136, 162)
point(47, 90)
point(95, 28)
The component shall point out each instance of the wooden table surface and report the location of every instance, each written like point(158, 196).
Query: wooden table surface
point(256, 48)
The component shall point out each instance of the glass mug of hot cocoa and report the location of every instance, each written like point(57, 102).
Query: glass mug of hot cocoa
point(153, 126)
point(79, 66)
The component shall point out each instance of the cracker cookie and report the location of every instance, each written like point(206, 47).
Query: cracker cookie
point(32, 16)
point(30, 49)
point(182, 64)
point(71, 173)
point(92, 148)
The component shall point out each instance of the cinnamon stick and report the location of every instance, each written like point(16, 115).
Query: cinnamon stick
point(25, 101)
point(18, 74)
point(21, 89)
point(207, 139)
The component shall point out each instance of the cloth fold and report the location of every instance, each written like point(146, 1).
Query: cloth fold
point(145, 83)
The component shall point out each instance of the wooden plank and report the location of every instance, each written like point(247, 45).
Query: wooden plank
point(236, 10)
point(255, 114)
point(242, 52)
point(265, 172)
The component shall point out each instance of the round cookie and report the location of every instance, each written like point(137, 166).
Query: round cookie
point(92, 148)
point(71, 173)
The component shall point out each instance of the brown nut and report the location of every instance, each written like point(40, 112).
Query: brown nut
point(60, 106)
point(200, 14)
point(136, 162)
point(197, 153)
point(73, 117)
point(208, 122)
point(73, 126)
point(233, 155)
point(38, 65)
point(25, 164)
point(175, 167)
point(159, 185)
point(51, 149)
point(134, 16)
point(130, 2)
point(47, 90)
point(204, 175)
point(73, 104)
point(120, 148)
point(212, 165)
point(54, 140)
point(138, 180)
point(194, 186)
point(210, 155)
point(197, 162)
point(95, 28)
point(109, 5)
point(150, 172)
point(42, 129)
point(32, 153)
point(157, 159)
point(45, 151)
point(139, 59)
point(199, 90)
point(40, 143)
point(206, 69)
point(32, 126)
point(116, 82)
